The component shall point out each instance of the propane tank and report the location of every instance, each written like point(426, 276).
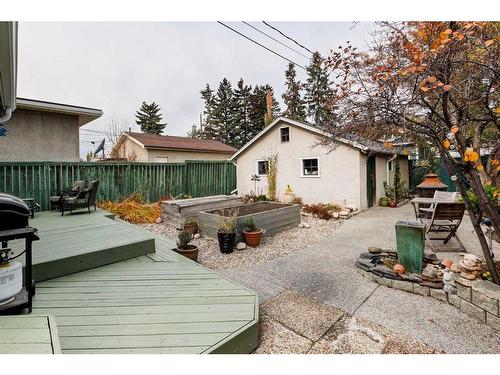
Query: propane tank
point(11, 278)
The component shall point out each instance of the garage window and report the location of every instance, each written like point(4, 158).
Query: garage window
point(310, 167)
point(262, 167)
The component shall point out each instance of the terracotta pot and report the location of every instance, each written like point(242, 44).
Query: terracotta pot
point(253, 238)
point(192, 228)
point(226, 242)
point(189, 251)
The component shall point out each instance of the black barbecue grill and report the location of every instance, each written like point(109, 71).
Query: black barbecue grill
point(14, 224)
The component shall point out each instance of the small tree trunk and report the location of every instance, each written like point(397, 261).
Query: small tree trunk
point(475, 222)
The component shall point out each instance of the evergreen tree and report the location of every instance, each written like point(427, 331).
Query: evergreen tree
point(149, 118)
point(258, 108)
point(207, 95)
point(318, 94)
point(224, 114)
point(295, 105)
point(195, 133)
point(242, 96)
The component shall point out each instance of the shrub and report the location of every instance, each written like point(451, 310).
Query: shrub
point(184, 238)
point(227, 223)
point(492, 193)
point(250, 224)
point(191, 221)
point(318, 210)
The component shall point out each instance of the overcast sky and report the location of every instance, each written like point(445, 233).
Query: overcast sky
point(114, 66)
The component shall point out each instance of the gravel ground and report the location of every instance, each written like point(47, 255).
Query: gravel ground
point(272, 247)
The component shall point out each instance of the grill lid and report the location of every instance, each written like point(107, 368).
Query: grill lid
point(10, 204)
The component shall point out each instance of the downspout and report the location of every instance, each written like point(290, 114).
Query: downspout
point(7, 115)
point(235, 190)
point(387, 166)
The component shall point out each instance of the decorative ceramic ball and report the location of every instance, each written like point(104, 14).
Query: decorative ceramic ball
point(399, 268)
point(447, 263)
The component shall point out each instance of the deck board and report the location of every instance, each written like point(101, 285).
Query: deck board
point(158, 302)
point(173, 306)
point(81, 241)
point(28, 334)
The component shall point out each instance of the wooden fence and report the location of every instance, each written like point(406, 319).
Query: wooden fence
point(40, 180)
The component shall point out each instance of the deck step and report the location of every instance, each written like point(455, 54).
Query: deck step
point(78, 242)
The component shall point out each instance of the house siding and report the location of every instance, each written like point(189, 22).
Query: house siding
point(40, 136)
point(340, 169)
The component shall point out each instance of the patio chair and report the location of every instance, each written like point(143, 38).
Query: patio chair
point(86, 198)
point(442, 196)
point(446, 218)
point(55, 199)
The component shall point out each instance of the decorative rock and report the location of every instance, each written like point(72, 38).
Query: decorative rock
point(159, 220)
point(241, 246)
point(429, 271)
point(351, 207)
point(374, 250)
point(196, 235)
point(307, 225)
point(399, 268)
point(449, 283)
point(345, 214)
point(447, 263)
point(301, 225)
point(486, 303)
point(335, 214)
point(382, 281)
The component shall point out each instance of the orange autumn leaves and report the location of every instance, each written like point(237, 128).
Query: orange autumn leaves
point(470, 155)
point(432, 83)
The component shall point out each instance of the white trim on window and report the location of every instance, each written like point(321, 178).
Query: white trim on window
point(302, 167)
point(280, 135)
point(257, 166)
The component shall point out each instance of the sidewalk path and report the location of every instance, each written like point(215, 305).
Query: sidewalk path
point(325, 272)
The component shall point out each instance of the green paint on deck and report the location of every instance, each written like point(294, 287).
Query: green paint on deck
point(160, 302)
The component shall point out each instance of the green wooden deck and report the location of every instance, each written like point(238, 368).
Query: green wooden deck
point(28, 334)
point(155, 303)
point(82, 241)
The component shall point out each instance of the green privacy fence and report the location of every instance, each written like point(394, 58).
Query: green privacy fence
point(39, 180)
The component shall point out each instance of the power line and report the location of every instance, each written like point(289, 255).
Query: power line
point(276, 40)
point(286, 36)
point(269, 49)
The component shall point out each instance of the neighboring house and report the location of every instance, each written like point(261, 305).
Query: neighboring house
point(34, 130)
point(154, 148)
point(352, 173)
point(44, 131)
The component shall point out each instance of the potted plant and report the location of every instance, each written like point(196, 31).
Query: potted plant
point(183, 246)
point(191, 225)
point(384, 201)
point(252, 234)
point(226, 232)
point(289, 196)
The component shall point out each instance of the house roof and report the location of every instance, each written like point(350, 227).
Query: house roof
point(85, 114)
point(179, 143)
point(363, 144)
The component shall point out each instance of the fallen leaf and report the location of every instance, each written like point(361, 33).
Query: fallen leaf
point(431, 79)
point(489, 42)
point(425, 89)
point(446, 144)
point(447, 87)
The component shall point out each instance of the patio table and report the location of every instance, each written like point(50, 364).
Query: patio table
point(422, 200)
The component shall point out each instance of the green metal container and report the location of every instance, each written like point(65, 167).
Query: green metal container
point(410, 239)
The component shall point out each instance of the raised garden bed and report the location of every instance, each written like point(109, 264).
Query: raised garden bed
point(175, 212)
point(270, 216)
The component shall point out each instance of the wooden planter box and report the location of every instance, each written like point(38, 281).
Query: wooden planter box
point(175, 212)
point(271, 221)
